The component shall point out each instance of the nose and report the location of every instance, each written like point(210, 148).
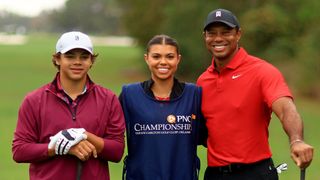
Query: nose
point(77, 60)
point(163, 60)
point(218, 37)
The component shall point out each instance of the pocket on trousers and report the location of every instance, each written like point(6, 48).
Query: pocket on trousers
point(269, 174)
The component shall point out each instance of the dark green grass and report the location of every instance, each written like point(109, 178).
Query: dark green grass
point(26, 67)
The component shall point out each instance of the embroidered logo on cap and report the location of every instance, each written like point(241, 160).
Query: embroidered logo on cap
point(218, 14)
point(76, 38)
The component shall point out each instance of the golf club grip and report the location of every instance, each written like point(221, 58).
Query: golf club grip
point(79, 170)
point(302, 174)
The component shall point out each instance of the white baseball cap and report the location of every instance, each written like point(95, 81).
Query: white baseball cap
point(72, 40)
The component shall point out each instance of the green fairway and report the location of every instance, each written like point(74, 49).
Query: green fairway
point(27, 67)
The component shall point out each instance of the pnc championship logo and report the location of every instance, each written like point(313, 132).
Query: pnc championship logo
point(175, 124)
point(171, 119)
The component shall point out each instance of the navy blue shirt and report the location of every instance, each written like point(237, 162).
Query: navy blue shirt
point(162, 136)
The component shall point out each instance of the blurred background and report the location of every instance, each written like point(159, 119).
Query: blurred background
point(285, 33)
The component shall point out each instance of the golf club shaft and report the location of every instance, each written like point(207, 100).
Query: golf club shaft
point(79, 170)
point(302, 174)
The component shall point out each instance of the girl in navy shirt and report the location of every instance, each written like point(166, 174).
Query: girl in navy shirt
point(163, 119)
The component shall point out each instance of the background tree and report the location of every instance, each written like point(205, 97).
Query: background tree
point(95, 16)
point(284, 32)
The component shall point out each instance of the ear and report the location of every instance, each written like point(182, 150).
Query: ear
point(179, 58)
point(239, 33)
point(56, 59)
point(146, 58)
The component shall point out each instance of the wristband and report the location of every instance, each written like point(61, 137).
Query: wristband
point(295, 141)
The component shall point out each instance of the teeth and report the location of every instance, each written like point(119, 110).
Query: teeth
point(163, 70)
point(219, 47)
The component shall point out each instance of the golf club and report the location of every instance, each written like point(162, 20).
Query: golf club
point(302, 174)
point(79, 170)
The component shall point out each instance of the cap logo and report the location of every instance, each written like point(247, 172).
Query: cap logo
point(218, 14)
point(76, 38)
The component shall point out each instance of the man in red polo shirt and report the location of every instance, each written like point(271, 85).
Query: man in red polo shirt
point(240, 92)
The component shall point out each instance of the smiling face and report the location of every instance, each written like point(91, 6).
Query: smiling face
point(74, 65)
point(222, 41)
point(162, 60)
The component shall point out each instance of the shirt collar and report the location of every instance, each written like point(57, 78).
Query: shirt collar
point(176, 91)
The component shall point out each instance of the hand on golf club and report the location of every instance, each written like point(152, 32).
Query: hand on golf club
point(83, 150)
point(301, 153)
point(65, 139)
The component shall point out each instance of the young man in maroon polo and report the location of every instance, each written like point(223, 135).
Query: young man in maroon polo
point(70, 128)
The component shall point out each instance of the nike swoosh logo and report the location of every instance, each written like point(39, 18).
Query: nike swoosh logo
point(236, 76)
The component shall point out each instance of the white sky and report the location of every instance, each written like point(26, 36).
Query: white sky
point(30, 7)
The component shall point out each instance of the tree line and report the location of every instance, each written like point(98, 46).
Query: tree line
point(285, 33)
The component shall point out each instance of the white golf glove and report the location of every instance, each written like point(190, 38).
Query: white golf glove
point(282, 167)
point(65, 139)
point(53, 140)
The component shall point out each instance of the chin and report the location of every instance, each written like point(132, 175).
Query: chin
point(220, 55)
point(166, 78)
point(162, 78)
point(77, 78)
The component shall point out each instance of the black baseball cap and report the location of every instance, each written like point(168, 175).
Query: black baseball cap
point(222, 15)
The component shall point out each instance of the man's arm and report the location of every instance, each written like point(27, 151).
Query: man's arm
point(113, 139)
point(286, 111)
point(25, 145)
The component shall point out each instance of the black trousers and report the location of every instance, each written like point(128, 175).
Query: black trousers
point(261, 170)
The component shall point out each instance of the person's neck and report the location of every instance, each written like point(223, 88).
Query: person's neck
point(162, 88)
point(73, 88)
point(220, 63)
